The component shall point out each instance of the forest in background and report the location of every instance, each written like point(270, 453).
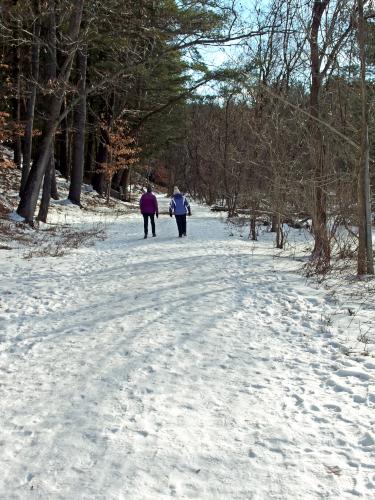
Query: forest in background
point(99, 90)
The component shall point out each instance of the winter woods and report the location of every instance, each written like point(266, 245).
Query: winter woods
point(71, 71)
point(290, 137)
point(94, 89)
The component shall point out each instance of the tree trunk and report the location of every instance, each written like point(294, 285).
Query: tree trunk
point(79, 121)
point(54, 191)
point(108, 189)
point(253, 227)
point(279, 232)
point(34, 76)
point(365, 262)
point(63, 145)
point(51, 74)
point(321, 253)
point(322, 250)
point(117, 179)
point(98, 180)
point(273, 223)
point(46, 193)
point(91, 147)
point(16, 105)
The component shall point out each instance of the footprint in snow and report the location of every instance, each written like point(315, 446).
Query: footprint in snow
point(332, 407)
point(367, 440)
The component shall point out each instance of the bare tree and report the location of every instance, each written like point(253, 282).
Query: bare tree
point(365, 262)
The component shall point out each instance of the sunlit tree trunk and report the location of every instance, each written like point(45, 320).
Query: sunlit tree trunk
point(365, 262)
point(321, 252)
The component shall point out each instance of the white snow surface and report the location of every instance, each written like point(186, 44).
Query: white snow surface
point(200, 367)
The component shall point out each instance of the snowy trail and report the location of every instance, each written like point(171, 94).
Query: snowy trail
point(188, 368)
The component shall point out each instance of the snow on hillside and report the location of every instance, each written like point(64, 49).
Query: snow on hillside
point(204, 367)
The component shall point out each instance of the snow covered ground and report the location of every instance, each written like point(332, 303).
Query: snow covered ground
point(198, 368)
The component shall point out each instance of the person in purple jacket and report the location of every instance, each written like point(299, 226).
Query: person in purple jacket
point(149, 208)
point(179, 206)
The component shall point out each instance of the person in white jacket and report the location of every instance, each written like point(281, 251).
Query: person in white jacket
point(179, 206)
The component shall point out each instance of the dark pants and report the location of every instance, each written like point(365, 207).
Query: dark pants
point(145, 220)
point(181, 224)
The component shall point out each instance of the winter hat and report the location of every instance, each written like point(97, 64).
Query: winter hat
point(149, 189)
point(176, 190)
